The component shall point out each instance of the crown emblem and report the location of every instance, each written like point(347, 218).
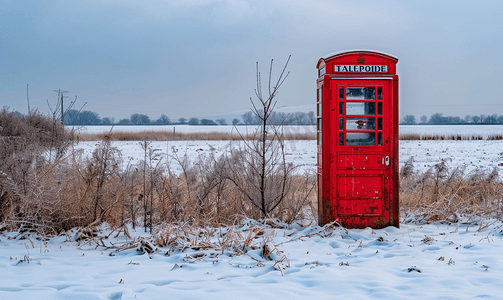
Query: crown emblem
point(361, 60)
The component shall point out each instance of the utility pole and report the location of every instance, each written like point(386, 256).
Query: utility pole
point(60, 98)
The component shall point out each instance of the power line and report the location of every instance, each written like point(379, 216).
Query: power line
point(60, 98)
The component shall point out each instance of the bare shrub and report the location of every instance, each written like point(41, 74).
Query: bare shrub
point(450, 195)
point(28, 143)
point(34, 129)
point(408, 168)
point(103, 164)
point(301, 202)
point(259, 169)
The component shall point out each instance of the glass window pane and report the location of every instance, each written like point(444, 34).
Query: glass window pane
point(319, 95)
point(360, 124)
point(379, 123)
point(319, 109)
point(319, 123)
point(360, 108)
point(360, 138)
point(341, 123)
point(379, 93)
point(379, 108)
point(319, 138)
point(341, 138)
point(341, 93)
point(379, 138)
point(360, 93)
point(341, 108)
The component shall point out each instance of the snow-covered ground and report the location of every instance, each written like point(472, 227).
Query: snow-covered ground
point(465, 130)
point(432, 261)
point(472, 154)
point(469, 154)
point(443, 130)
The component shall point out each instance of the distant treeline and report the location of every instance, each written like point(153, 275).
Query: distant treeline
point(440, 119)
point(276, 118)
point(80, 118)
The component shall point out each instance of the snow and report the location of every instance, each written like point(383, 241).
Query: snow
point(445, 130)
point(301, 153)
point(470, 154)
point(434, 261)
point(464, 130)
point(429, 261)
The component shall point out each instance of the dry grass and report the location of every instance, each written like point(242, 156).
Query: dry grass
point(441, 194)
point(494, 137)
point(410, 137)
point(447, 137)
point(151, 135)
point(78, 191)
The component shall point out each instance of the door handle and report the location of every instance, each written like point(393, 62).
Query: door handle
point(386, 160)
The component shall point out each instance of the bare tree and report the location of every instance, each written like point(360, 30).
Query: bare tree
point(193, 121)
point(311, 117)
point(259, 169)
point(409, 120)
point(221, 121)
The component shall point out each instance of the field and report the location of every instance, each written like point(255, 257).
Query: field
point(469, 154)
point(436, 258)
point(484, 130)
point(465, 153)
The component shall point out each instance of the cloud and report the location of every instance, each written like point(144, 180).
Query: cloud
point(199, 55)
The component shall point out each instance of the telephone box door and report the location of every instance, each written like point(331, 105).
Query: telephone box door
point(361, 155)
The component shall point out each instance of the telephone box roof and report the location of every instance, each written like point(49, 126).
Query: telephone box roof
point(355, 51)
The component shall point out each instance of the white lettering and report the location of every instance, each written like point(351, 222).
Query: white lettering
point(361, 68)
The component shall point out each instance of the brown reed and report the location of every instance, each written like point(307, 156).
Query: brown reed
point(449, 195)
point(152, 135)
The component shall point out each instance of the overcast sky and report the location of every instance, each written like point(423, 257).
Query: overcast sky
point(187, 58)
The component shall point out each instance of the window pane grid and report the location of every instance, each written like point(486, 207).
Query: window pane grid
point(360, 118)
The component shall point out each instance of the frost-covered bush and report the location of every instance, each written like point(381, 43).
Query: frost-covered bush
point(450, 195)
point(28, 145)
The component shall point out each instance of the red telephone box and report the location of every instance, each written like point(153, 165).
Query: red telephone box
point(357, 126)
